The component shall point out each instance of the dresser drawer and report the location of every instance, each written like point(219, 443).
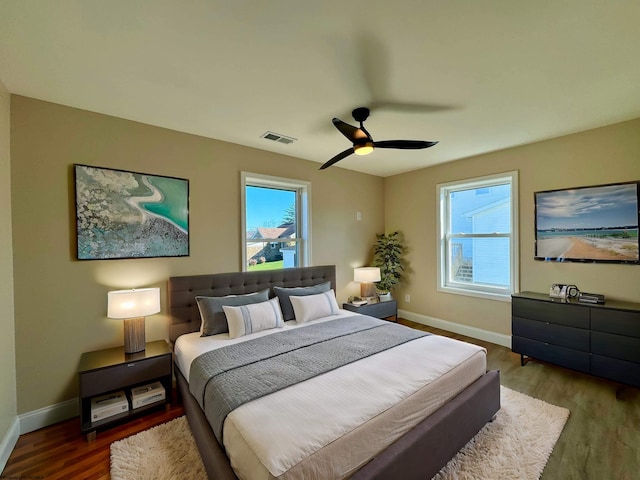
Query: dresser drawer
point(575, 338)
point(615, 369)
point(559, 313)
point(563, 356)
point(616, 346)
point(124, 375)
point(616, 321)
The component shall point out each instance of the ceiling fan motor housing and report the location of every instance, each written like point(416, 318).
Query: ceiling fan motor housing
point(360, 114)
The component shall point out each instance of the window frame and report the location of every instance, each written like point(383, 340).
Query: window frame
point(443, 190)
point(303, 212)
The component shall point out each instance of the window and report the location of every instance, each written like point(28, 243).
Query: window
point(478, 247)
point(276, 222)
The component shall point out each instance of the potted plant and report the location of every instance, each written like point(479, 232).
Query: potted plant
point(388, 251)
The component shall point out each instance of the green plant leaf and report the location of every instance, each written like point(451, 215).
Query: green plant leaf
point(388, 251)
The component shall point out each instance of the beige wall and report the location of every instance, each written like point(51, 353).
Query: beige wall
point(60, 303)
point(604, 155)
point(7, 338)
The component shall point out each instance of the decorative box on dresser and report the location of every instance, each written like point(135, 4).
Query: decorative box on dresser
point(600, 339)
point(111, 370)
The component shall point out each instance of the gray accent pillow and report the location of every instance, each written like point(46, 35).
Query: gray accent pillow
point(212, 315)
point(283, 295)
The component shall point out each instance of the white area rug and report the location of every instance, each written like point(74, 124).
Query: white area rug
point(515, 446)
point(165, 452)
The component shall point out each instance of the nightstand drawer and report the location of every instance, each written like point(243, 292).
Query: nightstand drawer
point(126, 374)
point(378, 310)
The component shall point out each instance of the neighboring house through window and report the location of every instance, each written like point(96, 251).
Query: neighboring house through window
point(276, 219)
point(478, 225)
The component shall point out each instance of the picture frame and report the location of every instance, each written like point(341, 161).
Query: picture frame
point(123, 214)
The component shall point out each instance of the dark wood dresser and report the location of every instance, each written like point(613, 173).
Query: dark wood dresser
point(600, 339)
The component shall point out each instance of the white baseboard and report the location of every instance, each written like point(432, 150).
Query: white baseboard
point(9, 442)
point(473, 332)
point(43, 417)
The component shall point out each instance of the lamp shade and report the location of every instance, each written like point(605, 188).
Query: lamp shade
point(366, 274)
point(133, 303)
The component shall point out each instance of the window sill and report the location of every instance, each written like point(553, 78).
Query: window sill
point(500, 297)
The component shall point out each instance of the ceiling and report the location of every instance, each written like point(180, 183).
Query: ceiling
point(475, 76)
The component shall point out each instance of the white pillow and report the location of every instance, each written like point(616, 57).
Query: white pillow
point(252, 318)
point(311, 307)
point(212, 318)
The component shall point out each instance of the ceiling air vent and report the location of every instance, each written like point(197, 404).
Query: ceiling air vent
point(276, 137)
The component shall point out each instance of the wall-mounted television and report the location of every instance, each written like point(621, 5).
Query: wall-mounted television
point(589, 224)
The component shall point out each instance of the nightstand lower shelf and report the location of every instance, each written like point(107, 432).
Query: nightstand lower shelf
point(107, 372)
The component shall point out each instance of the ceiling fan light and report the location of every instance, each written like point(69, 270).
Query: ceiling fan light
point(364, 149)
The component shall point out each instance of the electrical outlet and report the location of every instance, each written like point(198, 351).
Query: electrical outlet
point(407, 298)
point(358, 216)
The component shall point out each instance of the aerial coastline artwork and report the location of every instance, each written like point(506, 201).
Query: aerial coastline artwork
point(594, 224)
point(122, 214)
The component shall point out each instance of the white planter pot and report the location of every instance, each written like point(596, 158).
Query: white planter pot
point(384, 297)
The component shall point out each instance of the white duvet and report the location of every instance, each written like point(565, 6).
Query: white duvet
point(331, 425)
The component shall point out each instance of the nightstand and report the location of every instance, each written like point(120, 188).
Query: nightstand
point(386, 310)
point(109, 371)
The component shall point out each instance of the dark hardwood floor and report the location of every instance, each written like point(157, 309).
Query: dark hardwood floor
point(601, 440)
point(60, 452)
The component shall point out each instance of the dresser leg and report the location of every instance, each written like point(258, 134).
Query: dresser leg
point(91, 437)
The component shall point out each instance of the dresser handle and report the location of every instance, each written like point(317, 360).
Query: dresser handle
point(131, 364)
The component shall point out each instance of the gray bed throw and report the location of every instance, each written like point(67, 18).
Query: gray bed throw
point(223, 379)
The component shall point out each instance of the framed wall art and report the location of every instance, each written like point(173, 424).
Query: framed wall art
point(122, 214)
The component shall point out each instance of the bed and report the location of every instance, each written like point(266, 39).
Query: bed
point(409, 428)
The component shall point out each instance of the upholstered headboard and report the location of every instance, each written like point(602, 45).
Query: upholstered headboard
point(183, 309)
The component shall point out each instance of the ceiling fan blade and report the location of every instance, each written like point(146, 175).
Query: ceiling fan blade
point(352, 133)
point(337, 158)
point(373, 63)
point(404, 107)
point(404, 144)
point(375, 67)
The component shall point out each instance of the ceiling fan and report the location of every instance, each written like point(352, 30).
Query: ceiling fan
point(363, 143)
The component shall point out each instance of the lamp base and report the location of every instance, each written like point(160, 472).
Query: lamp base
point(134, 339)
point(367, 290)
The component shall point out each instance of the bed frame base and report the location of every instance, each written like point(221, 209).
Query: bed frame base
point(423, 451)
point(215, 460)
point(419, 454)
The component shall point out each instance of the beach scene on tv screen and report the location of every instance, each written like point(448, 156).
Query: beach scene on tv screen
point(593, 223)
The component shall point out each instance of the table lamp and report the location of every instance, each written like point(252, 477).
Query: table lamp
point(367, 276)
point(133, 306)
